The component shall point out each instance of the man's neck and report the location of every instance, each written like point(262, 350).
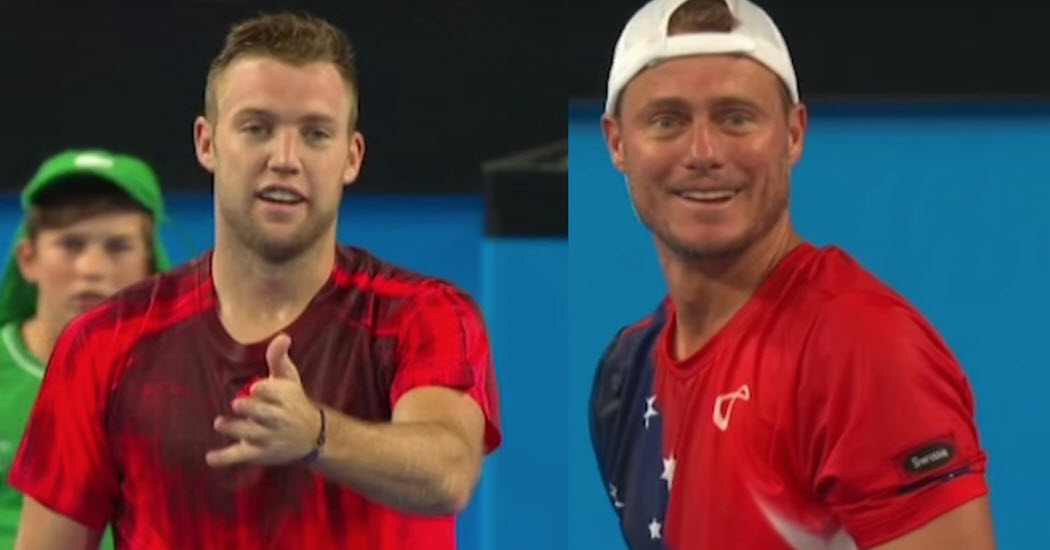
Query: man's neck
point(708, 292)
point(258, 298)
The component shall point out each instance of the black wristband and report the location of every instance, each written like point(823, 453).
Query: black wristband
point(312, 455)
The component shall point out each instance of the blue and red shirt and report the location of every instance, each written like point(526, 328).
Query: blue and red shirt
point(827, 414)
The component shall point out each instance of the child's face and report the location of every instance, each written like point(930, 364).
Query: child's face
point(78, 266)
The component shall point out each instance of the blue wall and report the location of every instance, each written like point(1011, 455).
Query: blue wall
point(946, 204)
point(525, 298)
point(521, 286)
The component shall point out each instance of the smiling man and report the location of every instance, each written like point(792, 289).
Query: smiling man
point(281, 391)
point(781, 397)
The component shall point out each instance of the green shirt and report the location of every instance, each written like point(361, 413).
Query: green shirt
point(20, 377)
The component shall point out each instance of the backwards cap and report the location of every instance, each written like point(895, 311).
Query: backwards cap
point(127, 173)
point(645, 42)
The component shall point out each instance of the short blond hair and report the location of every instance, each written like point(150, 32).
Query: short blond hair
point(294, 39)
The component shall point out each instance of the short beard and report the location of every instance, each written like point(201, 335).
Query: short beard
point(698, 253)
point(275, 251)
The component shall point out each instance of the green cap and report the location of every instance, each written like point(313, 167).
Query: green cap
point(129, 174)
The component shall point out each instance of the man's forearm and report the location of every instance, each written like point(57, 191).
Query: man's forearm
point(41, 528)
point(417, 467)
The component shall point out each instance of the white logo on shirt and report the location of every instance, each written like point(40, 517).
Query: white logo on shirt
point(724, 406)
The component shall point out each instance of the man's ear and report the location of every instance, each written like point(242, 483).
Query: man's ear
point(355, 156)
point(614, 140)
point(204, 143)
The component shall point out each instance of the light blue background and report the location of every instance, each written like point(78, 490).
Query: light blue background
point(948, 205)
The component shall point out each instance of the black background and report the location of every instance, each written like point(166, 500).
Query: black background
point(445, 85)
point(862, 49)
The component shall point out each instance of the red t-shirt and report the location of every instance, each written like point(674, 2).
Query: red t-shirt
point(124, 417)
point(827, 413)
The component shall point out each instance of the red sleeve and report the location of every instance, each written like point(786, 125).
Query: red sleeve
point(442, 342)
point(887, 431)
point(64, 460)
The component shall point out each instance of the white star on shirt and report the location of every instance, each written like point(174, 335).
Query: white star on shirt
point(612, 493)
point(650, 411)
point(654, 529)
point(668, 473)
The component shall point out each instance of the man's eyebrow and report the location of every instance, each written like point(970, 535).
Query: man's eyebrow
point(318, 118)
point(664, 103)
point(253, 112)
point(310, 118)
point(736, 101)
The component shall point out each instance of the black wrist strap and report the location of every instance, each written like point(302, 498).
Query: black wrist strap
point(312, 455)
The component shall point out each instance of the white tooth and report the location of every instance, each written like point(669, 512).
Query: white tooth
point(708, 195)
point(281, 195)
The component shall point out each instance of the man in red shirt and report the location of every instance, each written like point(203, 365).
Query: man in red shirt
point(280, 391)
point(781, 397)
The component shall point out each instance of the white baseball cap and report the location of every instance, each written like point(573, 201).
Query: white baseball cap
point(645, 42)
